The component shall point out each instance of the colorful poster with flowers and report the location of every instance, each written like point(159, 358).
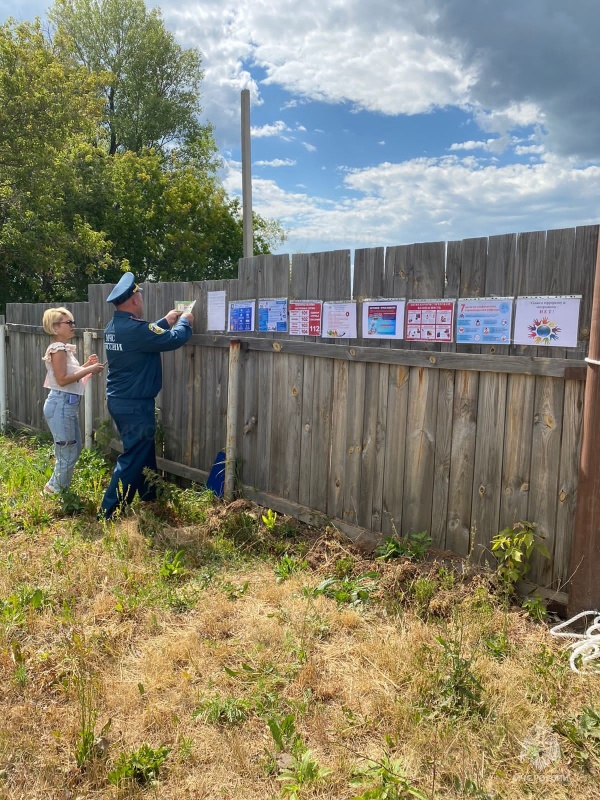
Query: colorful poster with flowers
point(547, 321)
point(339, 319)
point(429, 320)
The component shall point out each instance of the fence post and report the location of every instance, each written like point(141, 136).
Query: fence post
point(232, 416)
point(584, 585)
point(3, 386)
point(88, 397)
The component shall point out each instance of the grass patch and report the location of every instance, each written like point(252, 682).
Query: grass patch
point(195, 649)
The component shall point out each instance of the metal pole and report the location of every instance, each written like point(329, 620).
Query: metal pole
point(232, 417)
point(248, 233)
point(88, 398)
point(3, 385)
point(584, 585)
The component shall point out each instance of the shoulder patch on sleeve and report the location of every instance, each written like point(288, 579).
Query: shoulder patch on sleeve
point(156, 328)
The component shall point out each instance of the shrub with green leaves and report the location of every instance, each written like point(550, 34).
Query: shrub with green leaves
point(513, 549)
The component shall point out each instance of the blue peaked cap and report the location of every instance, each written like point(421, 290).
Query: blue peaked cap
point(123, 290)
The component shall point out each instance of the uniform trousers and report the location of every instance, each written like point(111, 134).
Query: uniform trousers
point(136, 424)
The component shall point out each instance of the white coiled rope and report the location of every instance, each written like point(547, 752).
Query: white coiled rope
point(585, 647)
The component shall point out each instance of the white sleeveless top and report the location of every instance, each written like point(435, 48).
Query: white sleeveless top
point(78, 387)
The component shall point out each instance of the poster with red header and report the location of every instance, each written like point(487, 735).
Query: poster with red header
point(305, 317)
point(429, 320)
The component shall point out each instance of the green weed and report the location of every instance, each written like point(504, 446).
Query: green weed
point(412, 545)
point(269, 519)
point(351, 591)
point(584, 735)
point(141, 766)
point(288, 566)
point(535, 606)
point(16, 607)
point(217, 710)
point(385, 780)
point(459, 691)
point(305, 769)
point(173, 566)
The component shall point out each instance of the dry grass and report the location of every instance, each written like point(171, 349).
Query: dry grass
point(156, 654)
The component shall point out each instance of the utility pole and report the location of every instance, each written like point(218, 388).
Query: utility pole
point(248, 233)
point(584, 585)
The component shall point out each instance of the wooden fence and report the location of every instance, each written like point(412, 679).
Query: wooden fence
point(382, 437)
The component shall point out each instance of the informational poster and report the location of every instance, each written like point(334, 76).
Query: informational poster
point(185, 306)
point(272, 315)
point(305, 317)
point(241, 315)
point(383, 319)
point(429, 320)
point(215, 311)
point(339, 319)
point(547, 321)
point(484, 320)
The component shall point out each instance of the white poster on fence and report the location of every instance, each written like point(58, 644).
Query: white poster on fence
point(215, 311)
point(339, 319)
point(547, 321)
point(383, 319)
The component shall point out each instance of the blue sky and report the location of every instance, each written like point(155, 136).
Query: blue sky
point(385, 122)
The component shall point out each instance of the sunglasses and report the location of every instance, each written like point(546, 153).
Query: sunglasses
point(70, 322)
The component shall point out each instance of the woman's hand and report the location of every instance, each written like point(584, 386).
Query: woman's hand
point(93, 359)
point(95, 368)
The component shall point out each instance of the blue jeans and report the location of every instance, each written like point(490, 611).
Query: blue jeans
point(63, 420)
point(136, 424)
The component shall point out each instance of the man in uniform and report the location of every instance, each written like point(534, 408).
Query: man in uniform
point(133, 349)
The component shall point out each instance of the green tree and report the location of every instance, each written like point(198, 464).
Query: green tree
point(47, 106)
point(169, 219)
point(74, 209)
point(152, 85)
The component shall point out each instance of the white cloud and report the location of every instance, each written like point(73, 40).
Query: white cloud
point(276, 162)
point(423, 199)
point(510, 66)
point(276, 129)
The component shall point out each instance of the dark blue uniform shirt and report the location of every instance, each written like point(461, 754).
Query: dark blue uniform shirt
point(133, 349)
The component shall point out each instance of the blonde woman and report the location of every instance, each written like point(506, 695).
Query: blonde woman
point(66, 379)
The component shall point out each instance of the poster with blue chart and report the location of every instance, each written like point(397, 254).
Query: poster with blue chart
point(484, 320)
point(241, 316)
point(272, 315)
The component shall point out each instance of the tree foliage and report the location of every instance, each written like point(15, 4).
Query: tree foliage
point(47, 107)
point(103, 163)
point(152, 85)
